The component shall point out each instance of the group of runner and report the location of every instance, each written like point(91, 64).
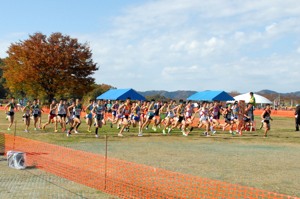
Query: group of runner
point(125, 114)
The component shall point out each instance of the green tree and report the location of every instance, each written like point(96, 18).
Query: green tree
point(98, 89)
point(49, 66)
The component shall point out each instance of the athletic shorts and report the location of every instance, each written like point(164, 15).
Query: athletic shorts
point(35, 115)
point(180, 118)
point(62, 115)
point(136, 118)
point(203, 118)
point(89, 116)
point(99, 117)
point(26, 116)
point(52, 116)
point(246, 119)
point(267, 121)
point(125, 116)
point(150, 117)
point(76, 116)
point(10, 113)
point(170, 115)
point(114, 113)
point(162, 116)
point(216, 117)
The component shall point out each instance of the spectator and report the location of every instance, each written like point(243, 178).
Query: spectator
point(252, 103)
point(297, 117)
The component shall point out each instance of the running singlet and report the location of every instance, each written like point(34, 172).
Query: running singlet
point(11, 107)
point(61, 109)
point(171, 112)
point(99, 109)
point(137, 111)
point(35, 109)
point(27, 110)
point(189, 112)
point(203, 114)
point(126, 110)
point(77, 110)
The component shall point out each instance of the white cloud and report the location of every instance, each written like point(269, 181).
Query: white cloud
point(270, 28)
point(198, 44)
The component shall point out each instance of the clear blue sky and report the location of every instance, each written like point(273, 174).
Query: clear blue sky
point(171, 45)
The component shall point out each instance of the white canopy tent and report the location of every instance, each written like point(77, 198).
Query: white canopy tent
point(246, 97)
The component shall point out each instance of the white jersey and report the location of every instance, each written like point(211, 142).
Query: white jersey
point(61, 109)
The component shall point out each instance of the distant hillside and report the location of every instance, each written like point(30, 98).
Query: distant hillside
point(270, 92)
point(167, 94)
point(185, 94)
point(266, 92)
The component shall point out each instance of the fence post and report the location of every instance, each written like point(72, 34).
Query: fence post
point(15, 132)
point(105, 166)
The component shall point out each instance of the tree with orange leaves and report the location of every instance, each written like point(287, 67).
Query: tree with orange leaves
point(49, 66)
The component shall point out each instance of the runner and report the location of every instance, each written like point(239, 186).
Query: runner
point(247, 120)
point(180, 117)
point(156, 118)
point(188, 118)
point(150, 114)
point(26, 116)
point(229, 119)
point(124, 110)
point(89, 115)
point(40, 113)
point(266, 116)
point(204, 118)
point(62, 114)
point(162, 113)
point(137, 117)
point(117, 115)
point(99, 111)
point(77, 108)
point(11, 106)
point(215, 116)
point(52, 116)
point(170, 116)
point(114, 109)
point(35, 113)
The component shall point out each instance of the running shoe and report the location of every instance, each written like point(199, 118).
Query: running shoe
point(68, 133)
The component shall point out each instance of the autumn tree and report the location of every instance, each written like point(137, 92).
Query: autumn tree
point(3, 91)
point(49, 66)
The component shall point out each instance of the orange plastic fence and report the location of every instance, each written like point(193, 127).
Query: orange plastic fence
point(126, 179)
point(279, 113)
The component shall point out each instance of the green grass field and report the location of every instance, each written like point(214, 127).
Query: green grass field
point(271, 163)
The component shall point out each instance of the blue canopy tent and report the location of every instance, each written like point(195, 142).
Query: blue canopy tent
point(210, 96)
point(121, 94)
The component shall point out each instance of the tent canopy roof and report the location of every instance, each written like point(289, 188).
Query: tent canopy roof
point(121, 94)
point(258, 98)
point(210, 96)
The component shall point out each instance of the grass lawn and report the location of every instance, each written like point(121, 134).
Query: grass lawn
point(271, 163)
